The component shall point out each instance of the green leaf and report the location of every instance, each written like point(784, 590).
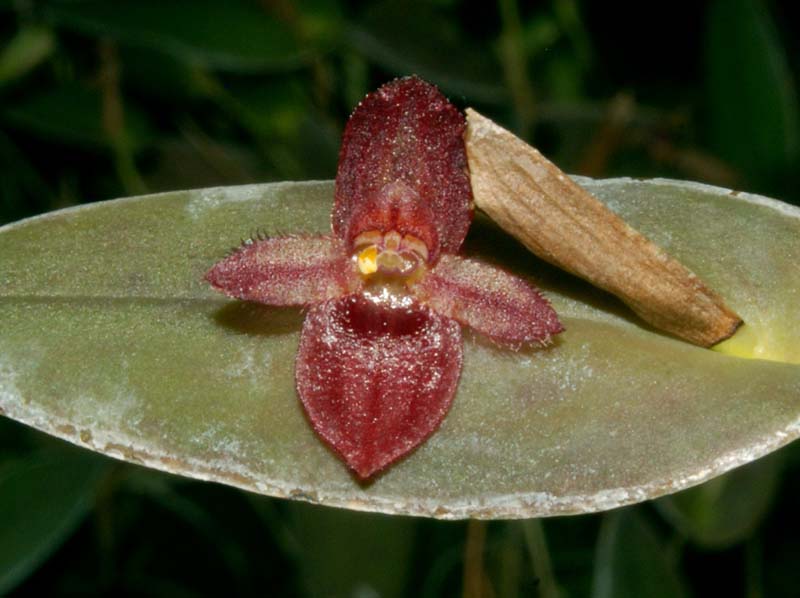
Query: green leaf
point(273, 110)
point(235, 35)
point(43, 498)
point(755, 120)
point(72, 114)
point(631, 561)
point(319, 22)
point(22, 190)
point(27, 49)
point(726, 510)
point(376, 562)
point(112, 340)
point(413, 38)
point(161, 76)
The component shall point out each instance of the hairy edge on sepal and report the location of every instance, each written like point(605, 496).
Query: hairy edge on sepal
point(288, 270)
point(495, 303)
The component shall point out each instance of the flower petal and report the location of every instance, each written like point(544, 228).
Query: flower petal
point(375, 378)
point(503, 307)
point(294, 270)
point(405, 131)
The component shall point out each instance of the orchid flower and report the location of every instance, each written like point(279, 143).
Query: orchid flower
point(381, 350)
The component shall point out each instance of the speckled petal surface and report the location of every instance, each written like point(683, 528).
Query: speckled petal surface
point(112, 339)
point(290, 270)
point(405, 131)
point(376, 379)
point(497, 304)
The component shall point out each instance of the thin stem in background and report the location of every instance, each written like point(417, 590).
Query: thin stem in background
point(536, 542)
point(476, 585)
point(104, 516)
point(511, 565)
point(754, 568)
point(324, 81)
point(569, 19)
point(114, 120)
point(609, 137)
point(514, 59)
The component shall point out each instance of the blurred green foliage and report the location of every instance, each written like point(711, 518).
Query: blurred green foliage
point(104, 99)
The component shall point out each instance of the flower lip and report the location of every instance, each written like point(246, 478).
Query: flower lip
point(376, 376)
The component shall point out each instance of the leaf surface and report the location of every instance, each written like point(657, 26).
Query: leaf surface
point(745, 59)
point(73, 114)
point(43, 499)
point(728, 509)
point(631, 560)
point(236, 36)
point(413, 37)
point(112, 340)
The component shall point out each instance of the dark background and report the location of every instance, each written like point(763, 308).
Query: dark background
point(102, 99)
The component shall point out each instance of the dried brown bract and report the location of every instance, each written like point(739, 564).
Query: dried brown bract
point(562, 223)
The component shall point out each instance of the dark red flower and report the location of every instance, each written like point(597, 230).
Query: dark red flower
point(380, 353)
